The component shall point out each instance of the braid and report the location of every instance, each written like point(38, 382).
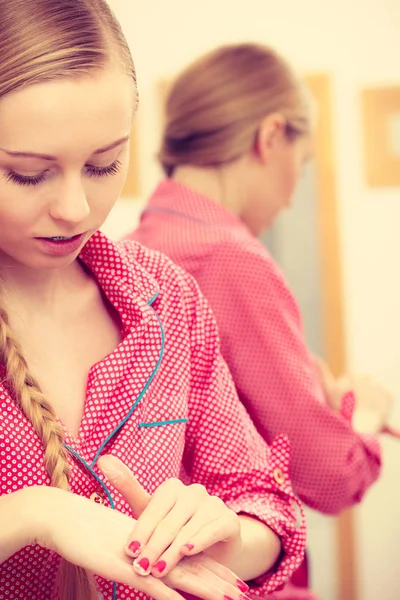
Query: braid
point(73, 582)
point(27, 394)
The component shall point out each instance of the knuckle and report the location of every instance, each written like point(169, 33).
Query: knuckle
point(198, 489)
point(173, 484)
point(217, 504)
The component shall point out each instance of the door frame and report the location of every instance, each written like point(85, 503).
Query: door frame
point(332, 299)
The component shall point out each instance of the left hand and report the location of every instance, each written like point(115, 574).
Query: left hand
point(175, 522)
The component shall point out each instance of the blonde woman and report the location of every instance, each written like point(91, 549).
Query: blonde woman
point(112, 383)
point(238, 131)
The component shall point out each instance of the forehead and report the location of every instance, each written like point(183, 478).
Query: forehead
point(67, 115)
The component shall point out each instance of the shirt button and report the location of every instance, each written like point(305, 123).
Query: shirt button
point(95, 497)
point(279, 476)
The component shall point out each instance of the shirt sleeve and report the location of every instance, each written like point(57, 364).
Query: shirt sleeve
point(263, 343)
point(225, 453)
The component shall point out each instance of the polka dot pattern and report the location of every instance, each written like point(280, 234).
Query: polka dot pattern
point(155, 374)
point(263, 343)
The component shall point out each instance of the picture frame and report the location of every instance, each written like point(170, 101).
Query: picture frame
point(381, 117)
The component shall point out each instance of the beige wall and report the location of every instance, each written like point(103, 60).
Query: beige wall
point(358, 43)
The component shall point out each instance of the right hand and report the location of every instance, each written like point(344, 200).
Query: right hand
point(373, 402)
point(93, 536)
point(373, 405)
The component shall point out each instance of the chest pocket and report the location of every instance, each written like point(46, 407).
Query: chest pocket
point(162, 426)
point(163, 408)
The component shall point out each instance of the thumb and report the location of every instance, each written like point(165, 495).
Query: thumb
point(325, 374)
point(125, 483)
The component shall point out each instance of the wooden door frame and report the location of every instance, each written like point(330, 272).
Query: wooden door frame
point(332, 299)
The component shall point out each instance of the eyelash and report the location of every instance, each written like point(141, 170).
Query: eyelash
point(92, 171)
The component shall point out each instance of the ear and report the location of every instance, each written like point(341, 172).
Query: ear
point(269, 134)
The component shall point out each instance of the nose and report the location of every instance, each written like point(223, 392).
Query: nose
point(70, 203)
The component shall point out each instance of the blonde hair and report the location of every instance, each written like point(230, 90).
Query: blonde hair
point(43, 40)
point(215, 107)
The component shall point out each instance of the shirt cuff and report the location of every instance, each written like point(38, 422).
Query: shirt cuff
point(347, 406)
point(282, 512)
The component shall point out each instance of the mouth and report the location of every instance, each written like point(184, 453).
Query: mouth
point(60, 238)
point(60, 245)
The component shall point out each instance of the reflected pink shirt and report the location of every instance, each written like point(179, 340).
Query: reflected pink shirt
point(263, 343)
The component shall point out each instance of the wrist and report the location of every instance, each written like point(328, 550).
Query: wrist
point(36, 513)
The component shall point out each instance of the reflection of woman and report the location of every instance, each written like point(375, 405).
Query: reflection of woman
point(237, 133)
point(118, 343)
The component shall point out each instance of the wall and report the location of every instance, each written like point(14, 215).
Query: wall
point(357, 42)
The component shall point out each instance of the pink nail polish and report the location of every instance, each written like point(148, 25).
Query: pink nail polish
point(134, 547)
point(243, 587)
point(160, 566)
point(143, 565)
point(189, 547)
point(227, 598)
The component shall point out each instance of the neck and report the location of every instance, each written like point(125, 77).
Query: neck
point(220, 184)
point(42, 290)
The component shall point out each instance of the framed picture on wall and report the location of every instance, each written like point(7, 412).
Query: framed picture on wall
point(381, 113)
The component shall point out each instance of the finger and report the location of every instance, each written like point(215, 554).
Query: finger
point(161, 503)
point(391, 431)
point(197, 535)
point(223, 572)
point(165, 533)
point(218, 531)
point(150, 586)
point(197, 579)
point(125, 483)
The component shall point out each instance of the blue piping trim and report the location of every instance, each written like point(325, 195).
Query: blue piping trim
point(89, 468)
point(111, 501)
point(154, 298)
point(128, 416)
point(158, 423)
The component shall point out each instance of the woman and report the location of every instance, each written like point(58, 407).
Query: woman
point(238, 130)
point(109, 356)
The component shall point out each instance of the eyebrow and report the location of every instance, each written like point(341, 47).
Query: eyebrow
point(53, 158)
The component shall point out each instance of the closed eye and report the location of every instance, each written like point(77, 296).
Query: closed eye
point(90, 171)
point(26, 179)
point(112, 169)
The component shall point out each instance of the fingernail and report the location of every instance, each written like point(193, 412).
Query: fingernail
point(227, 598)
point(243, 587)
point(142, 567)
point(134, 548)
point(160, 566)
point(189, 547)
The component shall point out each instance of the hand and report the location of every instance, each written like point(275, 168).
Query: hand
point(93, 536)
point(373, 405)
point(176, 521)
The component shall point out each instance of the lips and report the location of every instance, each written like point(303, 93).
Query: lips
point(59, 245)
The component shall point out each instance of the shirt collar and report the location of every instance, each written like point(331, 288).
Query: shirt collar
point(172, 196)
point(128, 286)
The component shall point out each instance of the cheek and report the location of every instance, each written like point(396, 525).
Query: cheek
point(13, 220)
point(290, 178)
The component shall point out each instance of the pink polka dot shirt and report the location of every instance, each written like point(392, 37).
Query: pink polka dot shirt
point(163, 402)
